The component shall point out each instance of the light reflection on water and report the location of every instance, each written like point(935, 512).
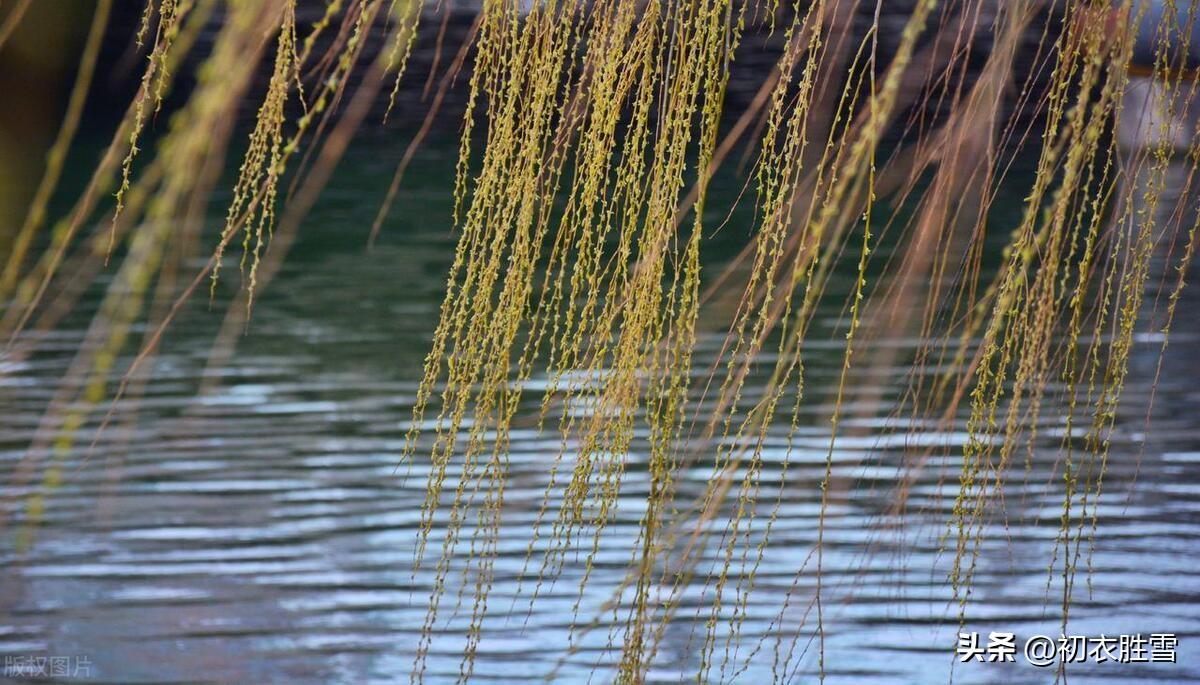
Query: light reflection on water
point(262, 533)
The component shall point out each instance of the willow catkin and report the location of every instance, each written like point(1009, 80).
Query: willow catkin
point(164, 196)
point(157, 75)
point(1003, 337)
point(263, 162)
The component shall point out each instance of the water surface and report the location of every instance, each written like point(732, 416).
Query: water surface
point(262, 533)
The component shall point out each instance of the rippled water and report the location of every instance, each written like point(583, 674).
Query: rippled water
point(261, 533)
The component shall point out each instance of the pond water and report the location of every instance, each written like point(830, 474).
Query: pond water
point(262, 533)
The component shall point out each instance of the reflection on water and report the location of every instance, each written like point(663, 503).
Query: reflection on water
point(262, 533)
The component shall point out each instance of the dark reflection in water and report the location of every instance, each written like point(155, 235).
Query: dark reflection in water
point(261, 533)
